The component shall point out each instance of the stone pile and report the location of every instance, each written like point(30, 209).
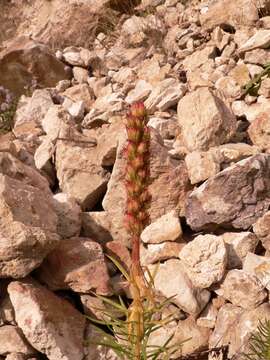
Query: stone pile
point(62, 170)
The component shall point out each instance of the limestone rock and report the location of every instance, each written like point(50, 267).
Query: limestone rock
point(259, 266)
point(24, 60)
point(261, 228)
point(80, 92)
point(237, 196)
point(165, 228)
point(154, 253)
point(168, 187)
point(242, 289)
point(205, 120)
point(49, 323)
point(198, 58)
point(140, 92)
point(201, 165)
point(189, 298)
point(208, 316)
point(261, 39)
point(204, 260)
point(12, 340)
point(27, 226)
point(238, 245)
point(78, 264)
point(69, 215)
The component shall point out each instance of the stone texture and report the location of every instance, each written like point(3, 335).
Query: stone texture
point(242, 289)
point(258, 131)
point(201, 165)
point(237, 196)
point(185, 295)
point(259, 266)
point(204, 260)
point(27, 226)
point(24, 60)
point(262, 229)
point(97, 225)
point(78, 264)
point(238, 245)
point(205, 120)
point(154, 253)
point(261, 39)
point(50, 324)
point(165, 228)
point(12, 340)
point(168, 186)
point(208, 316)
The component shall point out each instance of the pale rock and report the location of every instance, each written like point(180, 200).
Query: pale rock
point(245, 325)
point(205, 120)
point(140, 92)
point(78, 264)
point(196, 79)
point(155, 253)
point(77, 56)
point(265, 88)
point(233, 152)
point(165, 228)
point(98, 86)
point(117, 250)
point(168, 186)
point(228, 86)
point(208, 317)
point(18, 356)
point(259, 131)
point(78, 93)
point(97, 225)
point(34, 109)
point(238, 245)
point(12, 340)
point(50, 324)
point(28, 227)
point(258, 266)
point(240, 73)
point(257, 56)
point(167, 127)
point(242, 289)
point(124, 75)
point(152, 72)
point(75, 109)
point(226, 197)
point(69, 215)
point(198, 58)
point(262, 229)
point(43, 156)
point(251, 112)
point(201, 165)
point(80, 75)
point(63, 85)
point(254, 70)
point(227, 318)
point(228, 50)
point(185, 295)
point(7, 315)
point(109, 103)
point(54, 118)
point(220, 38)
point(165, 94)
point(261, 39)
point(204, 260)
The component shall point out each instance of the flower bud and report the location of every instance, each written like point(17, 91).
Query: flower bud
point(138, 109)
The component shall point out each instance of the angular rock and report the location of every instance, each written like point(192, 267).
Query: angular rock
point(262, 229)
point(237, 196)
point(242, 289)
point(12, 340)
point(238, 246)
point(208, 316)
point(78, 264)
point(261, 39)
point(258, 131)
point(24, 60)
point(159, 252)
point(259, 266)
point(205, 120)
point(97, 225)
point(185, 295)
point(204, 260)
point(168, 186)
point(50, 324)
point(80, 92)
point(198, 58)
point(27, 226)
point(69, 215)
point(140, 92)
point(201, 165)
point(165, 228)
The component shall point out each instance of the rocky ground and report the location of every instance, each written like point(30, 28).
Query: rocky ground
point(74, 67)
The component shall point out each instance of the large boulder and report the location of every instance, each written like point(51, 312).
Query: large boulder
point(235, 197)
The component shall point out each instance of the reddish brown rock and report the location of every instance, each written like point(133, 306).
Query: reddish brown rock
point(12, 340)
point(262, 229)
point(259, 131)
point(50, 324)
point(235, 197)
point(78, 264)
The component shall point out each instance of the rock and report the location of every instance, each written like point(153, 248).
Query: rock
point(261, 229)
point(78, 93)
point(259, 266)
point(237, 196)
point(198, 58)
point(24, 60)
point(43, 158)
point(159, 252)
point(97, 225)
point(78, 264)
point(119, 252)
point(12, 340)
point(238, 245)
point(18, 356)
point(165, 228)
point(49, 323)
point(140, 92)
point(227, 319)
point(152, 71)
point(240, 74)
point(264, 89)
point(201, 165)
point(185, 295)
point(242, 289)
point(204, 260)
point(80, 75)
point(52, 122)
point(261, 39)
point(231, 153)
point(225, 12)
point(257, 56)
point(205, 120)
point(69, 215)
point(208, 317)
point(79, 173)
point(244, 326)
point(7, 315)
point(168, 128)
point(75, 109)
point(27, 226)
point(258, 131)
point(168, 187)
point(77, 56)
